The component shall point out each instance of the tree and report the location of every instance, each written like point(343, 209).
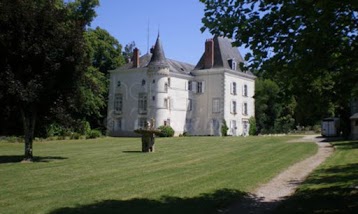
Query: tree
point(105, 54)
point(128, 51)
point(273, 113)
point(309, 47)
point(105, 51)
point(42, 56)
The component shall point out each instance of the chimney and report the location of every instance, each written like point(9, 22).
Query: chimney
point(135, 58)
point(209, 53)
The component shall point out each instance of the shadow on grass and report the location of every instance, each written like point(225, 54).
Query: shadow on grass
point(214, 202)
point(330, 190)
point(346, 145)
point(132, 152)
point(18, 158)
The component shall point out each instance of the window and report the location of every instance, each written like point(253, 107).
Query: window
point(166, 103)
point(142, 122)
point(190, 86)
point(167, 122)
point(190, 105)
point(168, 81)
point(245, 91)
point(245, 128)
point(153, 81)
point(233, 88)
point(233, 107)
point(166, 87)
point(356, 122)
point(118, 83)
point(153, 98)
point(199, 87)
point(244, 109)
point(142, 103)
point(118, 103)
point(143, 82)
point(119, 124)
point(233, 64)
point(216, 105)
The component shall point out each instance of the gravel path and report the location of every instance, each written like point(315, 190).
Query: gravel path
point(266, 197)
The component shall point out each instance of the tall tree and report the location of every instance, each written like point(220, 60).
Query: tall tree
point(105, 54)
point(309, 47)
point(105, 51)
point(273, 111)
point(42, 55)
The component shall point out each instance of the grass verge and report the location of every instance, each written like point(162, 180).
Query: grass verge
point(111, 175)
point(332, 188)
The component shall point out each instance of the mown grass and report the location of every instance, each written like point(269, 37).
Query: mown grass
point(111, 175)
point(332, 188)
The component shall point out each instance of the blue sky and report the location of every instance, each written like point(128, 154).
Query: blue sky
point(179, 23)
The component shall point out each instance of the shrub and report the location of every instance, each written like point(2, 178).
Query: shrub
point(84, 128)
point(54, 129)
point(166, 131)
point(94, 134)
point(252, 129)
point(13, 139)
point(224, 128)
point(75, 136)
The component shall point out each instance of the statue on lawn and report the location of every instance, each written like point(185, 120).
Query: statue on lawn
point(148, 136)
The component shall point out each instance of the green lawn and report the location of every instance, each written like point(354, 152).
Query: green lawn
point(110, 175)
point(332, 188)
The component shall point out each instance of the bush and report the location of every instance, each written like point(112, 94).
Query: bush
point(94, 134)
point(224, 128)
point(166, 131)
point(54, 129)
point(75, 136)
point(252, 129)
point(84, 128)
point(12, 139)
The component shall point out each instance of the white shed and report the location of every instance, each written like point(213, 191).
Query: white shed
point(330, 127)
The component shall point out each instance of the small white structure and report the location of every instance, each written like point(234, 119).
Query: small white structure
point(354, 126)
point(191, 99)
point(330, 127)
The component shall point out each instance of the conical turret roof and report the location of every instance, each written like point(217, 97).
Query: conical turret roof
point(158, 58)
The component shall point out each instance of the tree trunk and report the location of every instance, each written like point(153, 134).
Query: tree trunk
point(29, 119)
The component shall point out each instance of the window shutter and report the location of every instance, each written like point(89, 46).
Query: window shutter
point(203, 87)
point(194, 87)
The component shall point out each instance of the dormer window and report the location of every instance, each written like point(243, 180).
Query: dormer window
point(232, 64)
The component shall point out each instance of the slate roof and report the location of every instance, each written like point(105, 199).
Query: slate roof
point(158, 59)
point(223, 52)
point(174, 66)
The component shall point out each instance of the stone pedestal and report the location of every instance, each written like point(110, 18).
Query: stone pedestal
point(148, 139)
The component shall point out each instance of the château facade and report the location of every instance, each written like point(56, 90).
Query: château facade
point(191, 99)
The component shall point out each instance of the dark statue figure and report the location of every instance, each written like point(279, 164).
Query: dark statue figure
point(148, 136)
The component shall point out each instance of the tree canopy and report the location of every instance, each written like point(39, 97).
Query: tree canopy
point(42, 56)
point(309, 48)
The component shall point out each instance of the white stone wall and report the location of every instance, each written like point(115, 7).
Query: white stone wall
point(161, 85)
point(237, 120)
point(207, 122)
point(130, 87)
